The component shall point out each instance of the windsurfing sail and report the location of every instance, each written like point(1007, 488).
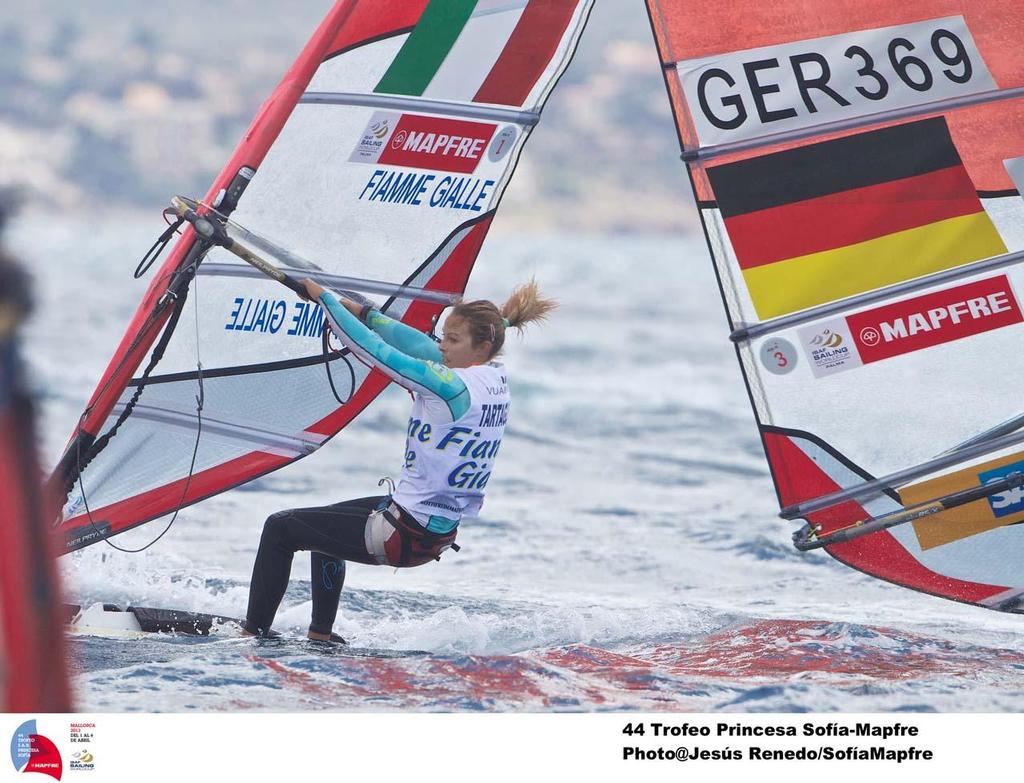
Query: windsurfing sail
point(379, 159)
point(858, 168)
point(33, 670)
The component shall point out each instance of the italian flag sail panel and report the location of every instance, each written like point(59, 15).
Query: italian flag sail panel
point(490, 51)
point(854, 167)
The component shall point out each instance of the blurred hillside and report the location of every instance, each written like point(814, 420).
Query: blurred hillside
point(130, 103)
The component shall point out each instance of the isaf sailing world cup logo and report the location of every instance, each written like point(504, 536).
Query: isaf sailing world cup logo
point(82, 760)
point(827, 339)
point(830, 347)
point(32, 752)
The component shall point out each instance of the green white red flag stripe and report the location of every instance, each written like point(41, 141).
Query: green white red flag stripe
point(476, 51)
point(426, 47)
point(491, 51)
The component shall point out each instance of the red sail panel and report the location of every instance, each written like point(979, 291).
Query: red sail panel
point(691, 29)
point(529, 50)
point(800, 478)
point(372, 21)
point(885, 558)
point(162, 500)
point(660, 13)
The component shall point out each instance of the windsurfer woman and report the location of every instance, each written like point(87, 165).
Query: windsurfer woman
point(454, 434)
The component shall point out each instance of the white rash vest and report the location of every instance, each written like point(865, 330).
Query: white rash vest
point(457, 421)
point(448, 463)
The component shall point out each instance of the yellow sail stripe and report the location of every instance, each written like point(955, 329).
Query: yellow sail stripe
point(958, 523)
point(816, 278)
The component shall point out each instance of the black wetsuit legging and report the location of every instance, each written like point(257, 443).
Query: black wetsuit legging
point(332, 534)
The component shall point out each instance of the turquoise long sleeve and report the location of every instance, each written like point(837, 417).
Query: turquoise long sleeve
point(404, 337)
point(419, 375)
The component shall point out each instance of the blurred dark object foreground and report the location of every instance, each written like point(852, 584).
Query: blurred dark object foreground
point(33, 668)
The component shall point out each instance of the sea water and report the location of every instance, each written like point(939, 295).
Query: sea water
point(628, 555)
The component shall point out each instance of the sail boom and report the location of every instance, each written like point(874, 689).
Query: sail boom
point(849, 124)
point(876, 486)
point(808, 538)
point(412, 103)
point(751, 332)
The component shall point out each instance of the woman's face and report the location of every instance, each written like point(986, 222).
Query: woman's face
point(457, 345)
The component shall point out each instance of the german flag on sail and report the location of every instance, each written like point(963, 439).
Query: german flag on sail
point(817, 223)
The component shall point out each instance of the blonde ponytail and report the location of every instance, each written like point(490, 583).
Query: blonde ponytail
point(526, 305)
point(488, 323)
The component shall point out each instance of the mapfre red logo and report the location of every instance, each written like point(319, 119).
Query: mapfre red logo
point(437, 143)
point(936, 318)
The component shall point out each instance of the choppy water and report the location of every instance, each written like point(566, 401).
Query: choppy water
point(629, 556)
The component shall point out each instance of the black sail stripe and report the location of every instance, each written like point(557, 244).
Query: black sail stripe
point(833, 166)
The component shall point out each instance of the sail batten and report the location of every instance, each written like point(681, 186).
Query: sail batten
point(769, 140)
point(294, 443)
point(444, 108)
point(958, 456)
point(337, 281)
point(753, 331)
